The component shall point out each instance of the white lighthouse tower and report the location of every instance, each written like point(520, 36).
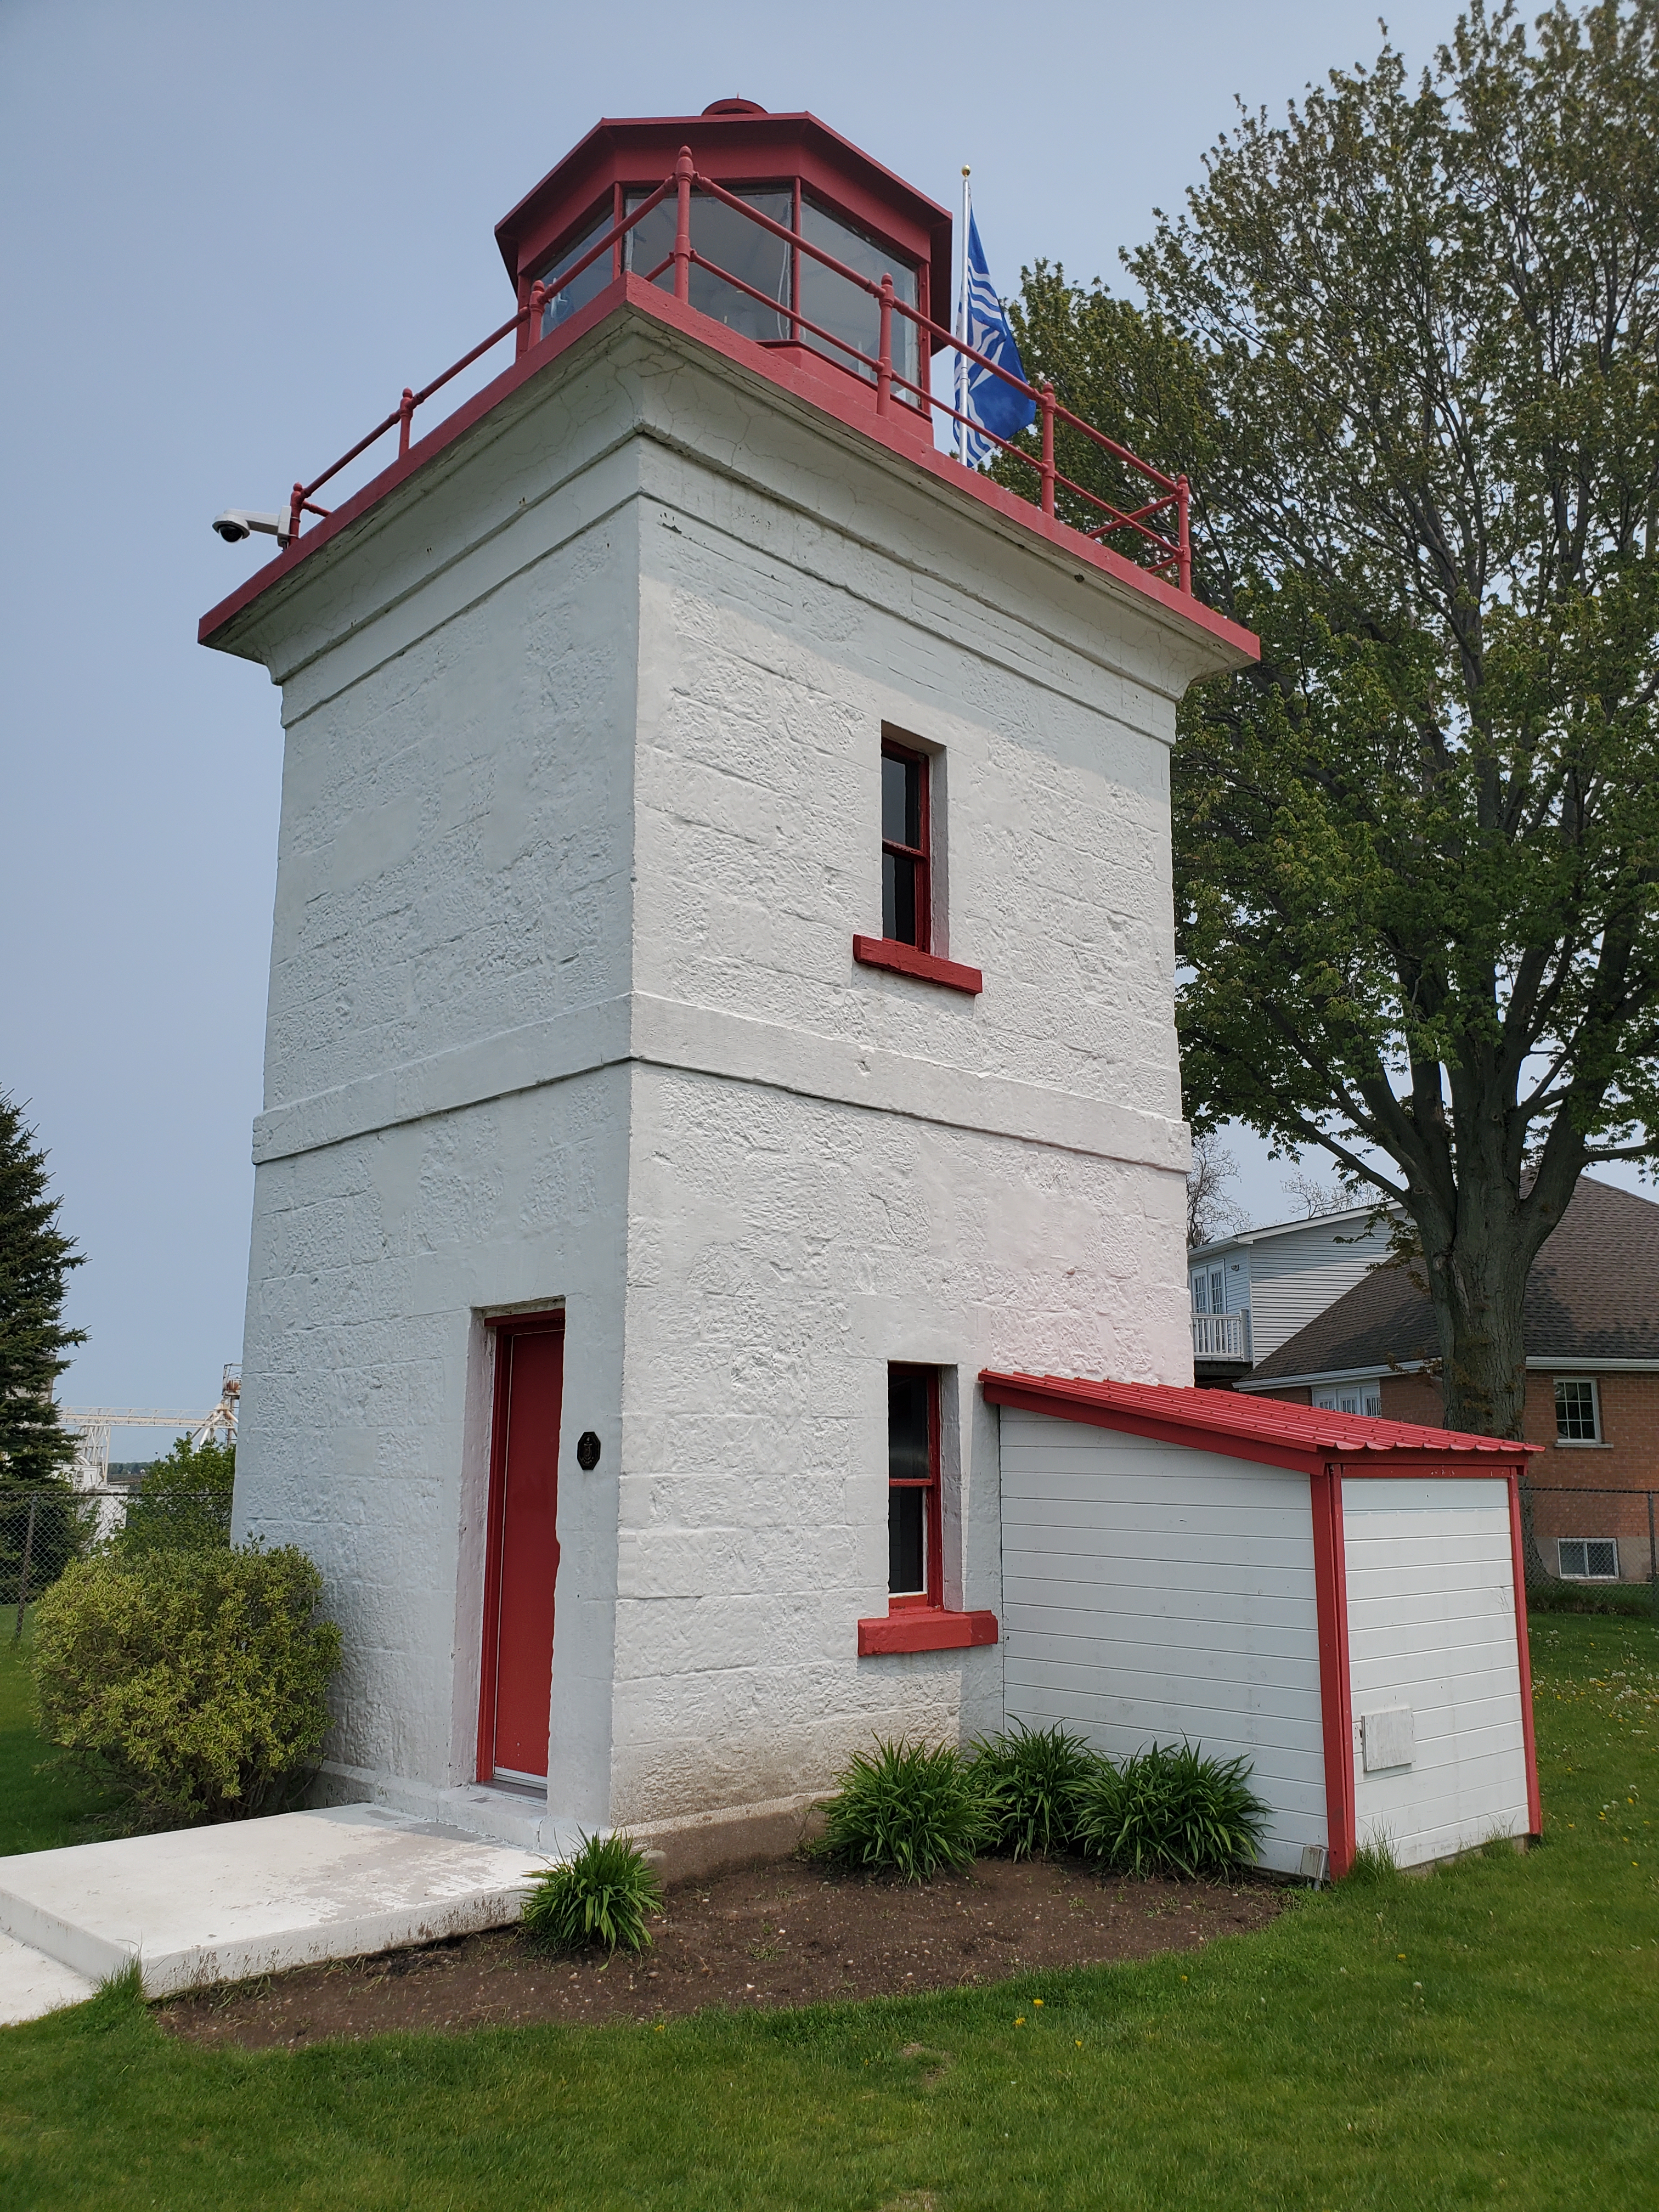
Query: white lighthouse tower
point(720, 1000)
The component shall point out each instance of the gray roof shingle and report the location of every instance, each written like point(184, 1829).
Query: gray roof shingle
point(1593, 1294)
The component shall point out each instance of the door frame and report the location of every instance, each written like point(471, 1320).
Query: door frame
point(550, 1321)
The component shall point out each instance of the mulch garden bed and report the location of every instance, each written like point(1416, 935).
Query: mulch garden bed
point(790, 1933)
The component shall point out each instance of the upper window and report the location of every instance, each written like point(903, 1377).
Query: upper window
point(1200, 1294)
point(906, 871)
point(914, 1519)
point(1577, 1413)
point(844, 310)
point(754, 257)
point(1217, 1291)
point(776, 281)
point(588, 286)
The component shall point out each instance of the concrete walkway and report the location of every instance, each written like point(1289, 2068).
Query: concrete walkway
point(252, 1897)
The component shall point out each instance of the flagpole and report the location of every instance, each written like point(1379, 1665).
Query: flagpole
point(962, 317)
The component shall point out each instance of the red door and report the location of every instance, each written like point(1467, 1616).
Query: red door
point(523, 1559)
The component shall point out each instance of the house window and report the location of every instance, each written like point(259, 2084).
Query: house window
point(906, 872)
point(1588, 1558)
point(1217, 1291)
point(1200, 1294)
point(1351, 1398)
point(1578, 1415)
point(913, 1577)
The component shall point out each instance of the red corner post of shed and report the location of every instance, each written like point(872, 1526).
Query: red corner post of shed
point(1338, 1599)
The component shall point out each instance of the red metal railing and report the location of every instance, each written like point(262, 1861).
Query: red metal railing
point(1158, 548)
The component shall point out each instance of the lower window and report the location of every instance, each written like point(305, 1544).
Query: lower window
point(1351, 1398)
point(914, 1518)
point(1588, 1558)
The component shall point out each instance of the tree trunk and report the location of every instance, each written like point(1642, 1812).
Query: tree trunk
point(1476, 1264)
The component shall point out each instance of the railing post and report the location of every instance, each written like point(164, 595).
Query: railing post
point(405, 408)
point(683, 175)
point(23, 1572)
point(295, 508)
point(537, 306)
point(1183, 538)
point(884, 349)
point(1046, 402)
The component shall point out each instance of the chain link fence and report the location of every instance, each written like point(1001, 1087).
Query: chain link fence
point(1588, 1547)
point(43, 1528)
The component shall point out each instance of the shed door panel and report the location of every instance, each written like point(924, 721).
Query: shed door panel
point(527, 1562)
point(1431, 1628)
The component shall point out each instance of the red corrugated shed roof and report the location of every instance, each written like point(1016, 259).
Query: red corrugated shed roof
point(1265, 1429)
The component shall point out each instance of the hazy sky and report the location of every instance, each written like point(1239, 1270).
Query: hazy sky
point(231, 235)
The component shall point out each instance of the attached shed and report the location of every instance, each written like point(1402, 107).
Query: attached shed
point(1340, 1599)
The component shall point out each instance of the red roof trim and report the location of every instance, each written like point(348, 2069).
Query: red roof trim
point(843, 397)
point(1304, 1437)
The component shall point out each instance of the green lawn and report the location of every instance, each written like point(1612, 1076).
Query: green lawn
point(1489, 2035)
point(37, 1812)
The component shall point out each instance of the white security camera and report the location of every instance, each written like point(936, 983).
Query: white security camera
point(237, 523)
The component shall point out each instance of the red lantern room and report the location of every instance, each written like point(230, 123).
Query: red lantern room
point(798, 187)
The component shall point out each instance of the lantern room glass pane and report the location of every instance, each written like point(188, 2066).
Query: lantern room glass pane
point(592, 282)
point(851, 314)
point(736, 245)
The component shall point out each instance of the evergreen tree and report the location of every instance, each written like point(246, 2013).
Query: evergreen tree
point(35, 1257)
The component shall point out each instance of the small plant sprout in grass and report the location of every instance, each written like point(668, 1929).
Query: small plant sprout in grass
point(1374, 1861)
point(905, 1808)
point(1029, 1780)
point(1168, 1810)
point(603, 1892)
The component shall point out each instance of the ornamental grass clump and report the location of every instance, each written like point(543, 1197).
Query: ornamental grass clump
point(1029, 1780)
point(1168, 1810)
point(905, 1810)
point(193, 1682)
point(603, 1894)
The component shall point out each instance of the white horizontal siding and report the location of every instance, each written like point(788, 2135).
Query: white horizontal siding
point(1151, 1592)
point(1295, 1277)
point(1431, 1625)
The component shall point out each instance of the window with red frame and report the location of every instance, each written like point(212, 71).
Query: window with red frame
point(906, 872)
point(913, 1489)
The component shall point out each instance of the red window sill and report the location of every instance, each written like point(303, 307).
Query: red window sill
point(905, 960)
point(925, 1628)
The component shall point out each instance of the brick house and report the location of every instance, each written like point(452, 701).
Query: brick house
point(1592, 1339)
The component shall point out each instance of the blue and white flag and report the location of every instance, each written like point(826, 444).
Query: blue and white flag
point(981, 396)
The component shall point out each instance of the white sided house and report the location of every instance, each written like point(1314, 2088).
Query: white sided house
point(720, 1002)
point(1253, 1291)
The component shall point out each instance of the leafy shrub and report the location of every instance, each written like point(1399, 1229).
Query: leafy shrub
point(1168, 1810)
point(603, 1892)
point(1029, 1780)
point(195, 1681)
point(184, 1503)
point(907, 1808)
